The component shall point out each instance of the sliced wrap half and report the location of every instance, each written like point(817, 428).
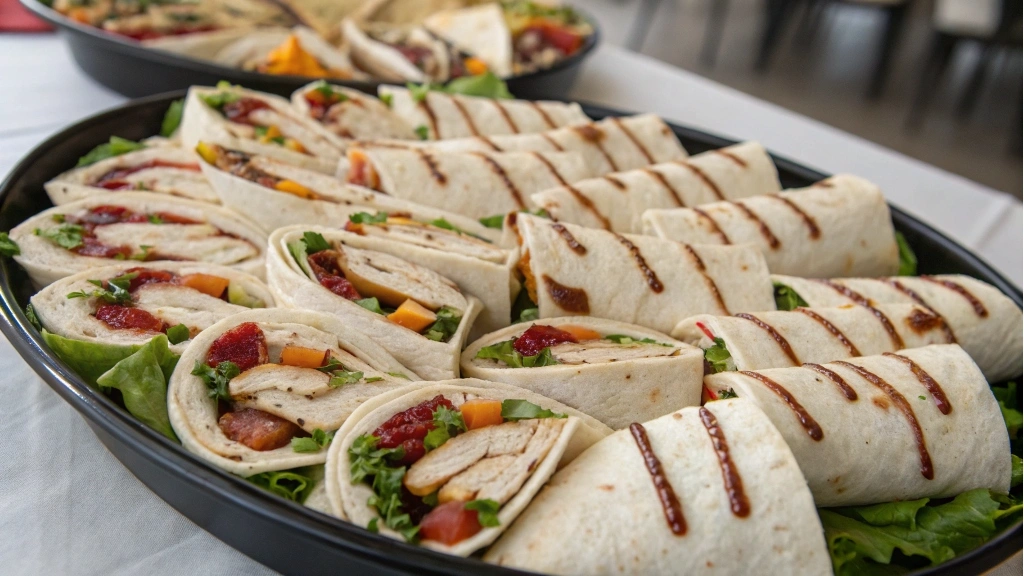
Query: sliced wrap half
point(920, 423)
point(350, 114)
point(505, 443)
point(296, 52)
point(480, 31)
point(837, 227)
point(709, 489)
point(99, 230)
point(617, 200)
point(396, 54)
point(417, 315)
point(985, 322)
point(790, 338)
point(243, 420)
point(571, 270)
point(617, 372)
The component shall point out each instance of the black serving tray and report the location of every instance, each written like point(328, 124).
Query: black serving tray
point(128, 67)
point(276, 532)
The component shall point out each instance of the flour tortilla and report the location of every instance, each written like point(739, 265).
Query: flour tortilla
point(73, 317)
point(602, 514)
point(202, 45)
point(292, 288)
point(753, 347)
point(324, 16)
point(349, 500)
point(447, 116)
point(252, 51)
point(838, 227)
point(200, 122)
point(387, 63)
point(617, 200)
point(992, 338)
point(241, 248)
point(193, 413)
point(359, 116)
point(617, 286)
point(79, 183)
point(479, 31)
point(474, 184)
point(617, 391)
point(868, 454)
point(272, 209)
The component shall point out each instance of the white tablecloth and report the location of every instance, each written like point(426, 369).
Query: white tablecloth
point(68, 507)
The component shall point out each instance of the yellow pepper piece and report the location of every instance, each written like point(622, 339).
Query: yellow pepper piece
point(293, 187)
point(207, 152)
point(271, 133)
point(289, 58)
point(295, 145)
point(475, 66)
point(413, 316)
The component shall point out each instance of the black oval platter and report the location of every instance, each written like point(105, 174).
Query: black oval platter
point(278, 533)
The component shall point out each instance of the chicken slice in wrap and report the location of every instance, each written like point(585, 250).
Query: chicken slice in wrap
point(791, 338)
point(349, 114)
point(710, 489)
point(398, 54)
point(616, 372)
point(837, 227)
point(451, 464)
point(476, 184)
point(616, 201)
point(417, 315)
point(985, 322)
point(255, 123)
point(899, 426)
point(574, 271)
point(265, 390)
point(99, 230)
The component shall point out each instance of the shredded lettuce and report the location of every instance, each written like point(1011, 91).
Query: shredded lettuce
point(524, 309)
point(1007, 398)
point(908, 260)
point(447, 423)
point(367, 218)
point(504, 352)
point(115, 147)
point(512, 410)
point(216, 379)
point(446, 325)
point(626, 340)
point(718, 357)
point(294, 485)
point(66, 236)
point(142, 379)
point(91, 359)
point(786, 298)
point(486, 511)
point(172, 118)
point(497, 222)
point(315, 442)
point(486, 85)
point(367, 462)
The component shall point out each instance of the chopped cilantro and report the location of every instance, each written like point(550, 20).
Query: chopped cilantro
point(727, 393)
point(115, 147)
point(422, 132)
point(786, 298)
point(340, 378)
point(506, 353)
point(447, 423)
point(66, 236)
point(113, 291)
point(512, 410)
point(315, 242)
point(486, 511)
point(368, 462)
point(718, 357)
point(445, 326)
point(217, 379)
point(314, 443)
point(367, 218)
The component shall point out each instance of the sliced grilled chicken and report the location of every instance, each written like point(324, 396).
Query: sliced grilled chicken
point(599, 351)
point(420, 234)
point(393, 281)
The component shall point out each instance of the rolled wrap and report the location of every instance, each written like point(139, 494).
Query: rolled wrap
point(602, 514)
point(384, 60)
point(447, 116)
point(983, 320)
point(617, 200)
point(276, 194)
point(571, 270)
point(299, 395)
point(294, 288)
point(852, 425)
point(837, 227)
point(208, 234)
point(310, 147)
point(170, 301)
point(349, 500)
point(480, 31)
point(476, 184)
point(790, 338)
point(617, 383)
point(159, 169)
point(354, 115)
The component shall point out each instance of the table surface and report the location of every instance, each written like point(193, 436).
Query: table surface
point(68, 506)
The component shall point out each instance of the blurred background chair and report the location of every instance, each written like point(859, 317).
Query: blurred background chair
point(648, 9)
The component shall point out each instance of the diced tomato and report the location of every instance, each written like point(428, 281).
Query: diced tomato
point(409, 427)
point(360, 172)
point(119, 174)
point(91, 246)
point(705, 330)
point(147, 276)
point(562, 39)
point(206, 283)
point(707, 395)
point(481, 412)
point(127, 318)
point(245, 345)
point(450, 523)
point(330, 275)
point(168, 218)
point(539, 337)
point(239, 110)
point(257, 429)
point(115, 184)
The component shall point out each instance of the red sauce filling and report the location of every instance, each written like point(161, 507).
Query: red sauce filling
point(115, 179)
point(145, 276)
point(239, 110)
point(127, 318)
point(257, 429)
point(450, 523)
point(538, 337)
point(245, 345)
point(319, 103)
point(407, 429)
point(325, 267)
point(105, 215)
point(150, 34)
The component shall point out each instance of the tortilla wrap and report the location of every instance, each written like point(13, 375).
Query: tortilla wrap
point(611, 145)
point(158, 169)
point(173, 304)
point(327, 203)
point(479, 31)
point(294, 288)
point(475, 184)
point(202, 45)
point(602, 514)
point(837, 227)
point(349, 500)
point(268, 387)
point(617, 383)
point(865, 451)
point(571, 270)
point(324, 15)
point(253, 51)
point(617, 200)
point(447, 116)
point(200, 122)
point(385, 62)
point(218, 236)
point(357, 115)
point(790, 338)
point(985, 322)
